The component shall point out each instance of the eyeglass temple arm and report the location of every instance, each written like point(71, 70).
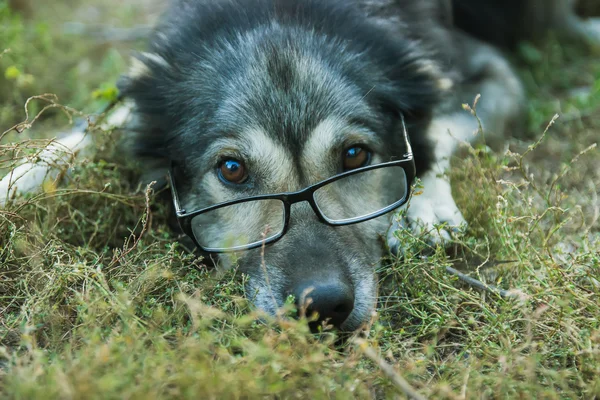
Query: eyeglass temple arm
point(178, 209)
point(409, 152)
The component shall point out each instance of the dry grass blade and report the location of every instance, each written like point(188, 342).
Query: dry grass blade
point(51, 101)
point(128, 247)
point(401, 383)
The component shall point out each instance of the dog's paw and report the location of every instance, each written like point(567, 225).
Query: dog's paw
point(398, 223)
point(433, 213)
point(437, 218)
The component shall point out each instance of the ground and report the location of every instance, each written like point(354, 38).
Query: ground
point(97, 299)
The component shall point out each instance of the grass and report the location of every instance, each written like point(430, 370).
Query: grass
point(97, 299)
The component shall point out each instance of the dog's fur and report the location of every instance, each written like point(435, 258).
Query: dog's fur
point(287, 85)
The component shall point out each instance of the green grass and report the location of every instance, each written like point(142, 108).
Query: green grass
point(97, 299)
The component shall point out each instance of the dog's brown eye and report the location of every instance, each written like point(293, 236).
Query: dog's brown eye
point(232, 171)
point(356, 157)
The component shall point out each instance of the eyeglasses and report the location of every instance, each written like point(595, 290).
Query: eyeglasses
point(348, 198)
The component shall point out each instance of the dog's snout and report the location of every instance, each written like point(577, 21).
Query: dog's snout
point(332, 302)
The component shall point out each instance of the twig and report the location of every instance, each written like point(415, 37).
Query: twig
point(479, 285)
point(389, 371)
point(521, 159)
point(566, 169)
point(52, 101)
point(136, 239)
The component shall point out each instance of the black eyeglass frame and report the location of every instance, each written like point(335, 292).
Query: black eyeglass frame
point(289, 198)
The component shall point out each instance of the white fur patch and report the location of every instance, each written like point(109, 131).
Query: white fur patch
point(446, 134)
point(139, 66)
point(156, 59)
point(137, 69)
point(432, 69)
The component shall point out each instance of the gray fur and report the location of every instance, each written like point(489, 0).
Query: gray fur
point(287, 98)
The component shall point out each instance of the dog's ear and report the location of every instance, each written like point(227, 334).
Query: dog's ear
point(414, 91)
point(144, 85)
point(440, 79)
point(144, 69)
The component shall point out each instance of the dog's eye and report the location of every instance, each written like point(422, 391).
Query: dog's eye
point(356, 157)
point(232, 171)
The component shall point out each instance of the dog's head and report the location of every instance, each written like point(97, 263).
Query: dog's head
point(258, 97)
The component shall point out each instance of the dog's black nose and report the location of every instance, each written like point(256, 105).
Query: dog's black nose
point(332, 302)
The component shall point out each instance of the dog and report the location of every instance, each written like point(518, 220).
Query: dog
point(274, 118)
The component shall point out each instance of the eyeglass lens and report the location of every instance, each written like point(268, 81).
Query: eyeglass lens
point(239, 225)
point(363, 194)
point(355, 196)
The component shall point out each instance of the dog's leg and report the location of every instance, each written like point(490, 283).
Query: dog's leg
point(507, 22)
point(488, 74)
point(57, 157)
point(29, 177)
point(561, 16)
point(588, 30)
